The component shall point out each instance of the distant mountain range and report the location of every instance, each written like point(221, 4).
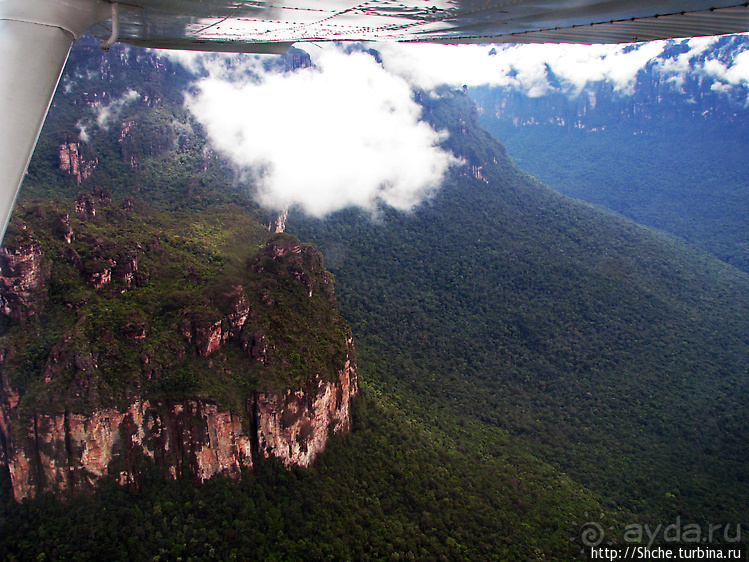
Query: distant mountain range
point(682, 81)
point(670, 152)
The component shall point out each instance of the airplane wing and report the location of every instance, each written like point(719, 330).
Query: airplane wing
point(36, 35)
point(241, 24)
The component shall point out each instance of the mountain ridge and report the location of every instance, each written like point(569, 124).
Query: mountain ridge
point(124, 343)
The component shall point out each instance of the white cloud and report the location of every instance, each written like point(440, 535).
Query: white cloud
point(735, 74)
point(83, 133)
point(105, 114)
point(676, 69)
point(521, 67)
point(613, 63)
point(345, 133)
point(190, 60)
point(229, 66)
point(527, 68)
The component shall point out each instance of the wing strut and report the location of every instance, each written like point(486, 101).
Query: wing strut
point(112, 39)
point(35, 38)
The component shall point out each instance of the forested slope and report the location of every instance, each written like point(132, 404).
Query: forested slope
point(686, 177)
point(611, 351)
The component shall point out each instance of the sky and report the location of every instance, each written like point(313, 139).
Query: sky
point(348, 131)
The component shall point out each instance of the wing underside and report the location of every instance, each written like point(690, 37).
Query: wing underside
point(241, 25)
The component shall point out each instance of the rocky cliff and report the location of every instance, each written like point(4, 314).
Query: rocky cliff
point(125, 344)
point(22, 276)
point(186, 438)
point(74, 162)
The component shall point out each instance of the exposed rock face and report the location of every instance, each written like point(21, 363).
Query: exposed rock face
point(72, 451)
point(22, 278)
point(85, 206)
point(136, 376)
point(478, 173)
point(208, 338)
point(65, 229)
point(68, 451)
point(126, 268)
point(8, 400)
point(209, 335)
point(301, 264)
point(294, 425)
point(281, 221)
point(73, 162)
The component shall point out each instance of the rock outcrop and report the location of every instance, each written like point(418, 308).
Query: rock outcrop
point(73, 162)
point(193, 438)
point(72, 451)
point(22, 278)
point(178, 367)
point(294, 425)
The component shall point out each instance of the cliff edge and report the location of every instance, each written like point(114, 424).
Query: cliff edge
point(195, 342)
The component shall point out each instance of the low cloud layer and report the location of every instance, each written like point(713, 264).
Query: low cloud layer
point(537, 70)
point(727, 76)
point(346, 133)
point(522, 67)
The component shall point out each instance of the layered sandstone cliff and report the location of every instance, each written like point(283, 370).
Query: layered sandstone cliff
point(22, 276)
point(187, 438)
point(107, 369)
point(74, 162)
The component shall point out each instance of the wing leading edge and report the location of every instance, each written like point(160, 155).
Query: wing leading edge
point(36, 35)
